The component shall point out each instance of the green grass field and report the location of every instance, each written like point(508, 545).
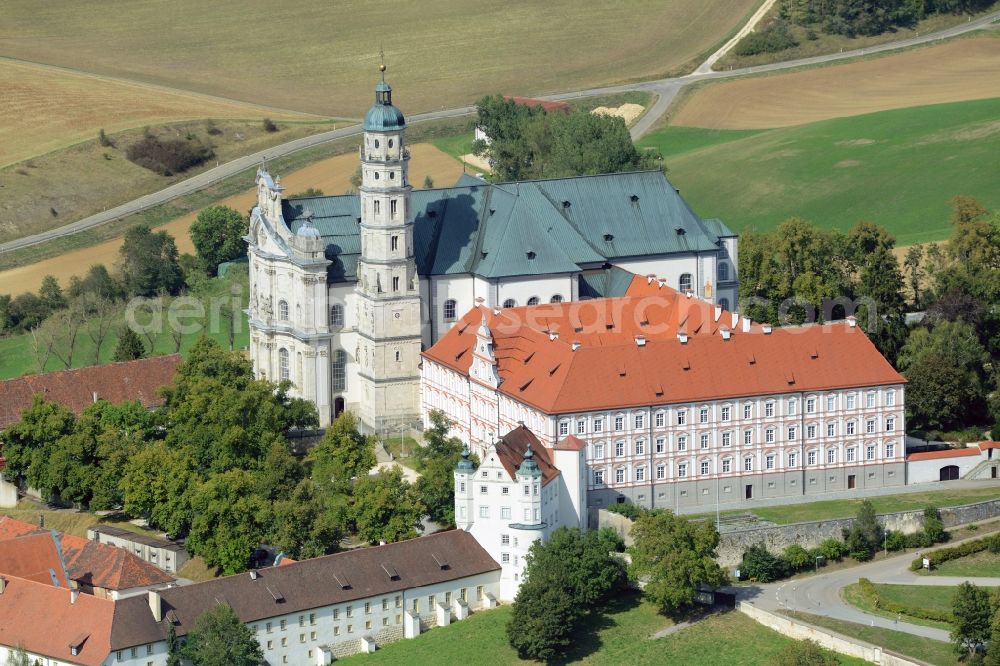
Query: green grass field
point(925, 649)
point(934, 598)
point(847, 508)
point(984, 564)
point(896, 168)
point(620, 636)
point(320, 57)
point(72, 522)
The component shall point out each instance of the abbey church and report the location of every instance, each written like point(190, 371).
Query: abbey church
point(347, 291)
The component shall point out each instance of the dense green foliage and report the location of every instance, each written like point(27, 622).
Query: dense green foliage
point(436, 461)
point(805, 653)
point(972, 612)
point(675, 556)
point(759, 565)
point(149, 262)
point(864, 536)
point(385, 507)
point(217, 234)
point(129, 346)
point(527, 143)
point(869, 17)
point(773, 37)
point(573, 573)
point(219, 638)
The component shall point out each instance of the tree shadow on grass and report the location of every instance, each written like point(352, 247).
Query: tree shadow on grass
point(587, 638)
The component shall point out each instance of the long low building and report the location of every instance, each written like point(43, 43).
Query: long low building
point(307, 612)
point(678, 402)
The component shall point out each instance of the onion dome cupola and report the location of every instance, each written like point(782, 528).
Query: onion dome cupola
point(383, 116)
point(528, 465)
point(465, 465)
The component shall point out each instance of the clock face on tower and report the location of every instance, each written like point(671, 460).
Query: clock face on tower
point(396, 315)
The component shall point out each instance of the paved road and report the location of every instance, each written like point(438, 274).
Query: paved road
point(665, 90)
point(820, 595)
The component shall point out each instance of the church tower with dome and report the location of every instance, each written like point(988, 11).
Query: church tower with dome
point(388, 289)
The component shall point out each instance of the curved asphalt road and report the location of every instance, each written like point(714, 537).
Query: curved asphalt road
point(820, 594)
point(665, 91)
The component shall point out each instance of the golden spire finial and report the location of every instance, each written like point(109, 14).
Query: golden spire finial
point(381, 55)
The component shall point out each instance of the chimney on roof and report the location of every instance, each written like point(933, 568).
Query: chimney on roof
point(663, 282)
point(724, 330)
point(253, 574)
point(767, 329)
point(73, 594)
point(155, 605)
point(575, 345)
point(852, 321)
point(94, 393)
point(650, 278)
point(736, 319)
point(746, 324)
point(553, 335)
point(688, 293)
point(718, 312)
point(3, 584)
point(683, 337)
point(640, 340)
point(496, 311)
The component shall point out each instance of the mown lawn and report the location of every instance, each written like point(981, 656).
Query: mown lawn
point(985, 564)
point(935, 598)
point(896, 168)
point(919, 647)
point(847, 508)
point(621, 636)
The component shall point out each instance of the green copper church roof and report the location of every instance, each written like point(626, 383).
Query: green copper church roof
point(562, 225)
point(383, 116)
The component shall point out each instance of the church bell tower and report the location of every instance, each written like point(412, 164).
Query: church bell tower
point(389, 329)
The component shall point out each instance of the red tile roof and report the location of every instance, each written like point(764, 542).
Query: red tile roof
point(139, 380)
point(43, 619)
point(571, 443)
point(33, 557)
point(511, 447)
point(545, 104)
point(89, 562)
point(622, 352)
point(946, 453)
point(982, 445)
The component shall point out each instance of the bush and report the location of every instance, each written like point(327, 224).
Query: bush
point(772, 39)
point(933, 527)
point(627, 509)
point(761, 566)
point(832, 549)
point(895, 540)
point(269, 125)
point(805, 653)
point(168, 156)
point(798, 558)
point(918, 540)
point(942, 555)
point(103, 139)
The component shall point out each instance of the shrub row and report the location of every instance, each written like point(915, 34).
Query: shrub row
point(870, 592)
point(772, 39)
point(627, 509)
point(168, 156)
point(941, 555)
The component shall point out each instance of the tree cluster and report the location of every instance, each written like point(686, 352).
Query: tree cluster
point(869, 17)
point(527, 142)
point(217, 234)
point(675, 557)
point(436, 461)
point(567, 577)
point(801, 273)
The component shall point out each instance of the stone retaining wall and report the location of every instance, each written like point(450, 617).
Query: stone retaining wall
point(776, 538)
point(824, 638)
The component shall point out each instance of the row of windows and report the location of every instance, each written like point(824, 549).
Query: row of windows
point(338, 367)
point(725, 413)
point(726, 438)
point(771, 461)
point(336, 318)
point(451, 305)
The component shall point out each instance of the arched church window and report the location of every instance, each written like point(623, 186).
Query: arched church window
point(390, 143)
point(283, 310)
point(723, 271)
point(685, 282)
point(510, 303)
point(336, 316)
point(557, 298)
point(392, 175)
point(376, 143)
point(376, 175)
point(450, 306)
point(533, 300)
point(338, 370)
point(724, 303)
point(283, 370)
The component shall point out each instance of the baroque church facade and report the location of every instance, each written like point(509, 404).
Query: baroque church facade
point(346, 291)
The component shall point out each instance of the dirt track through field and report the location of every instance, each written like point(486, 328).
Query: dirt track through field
point(332, 176)
point(961, 70)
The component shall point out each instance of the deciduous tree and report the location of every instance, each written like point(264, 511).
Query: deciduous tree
point(342, 455)
point(220, 638)
point(674, 556)
point(217, 234)
point(149, 262)
point(385, 507)
point(973, 613)
point(865, 534)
